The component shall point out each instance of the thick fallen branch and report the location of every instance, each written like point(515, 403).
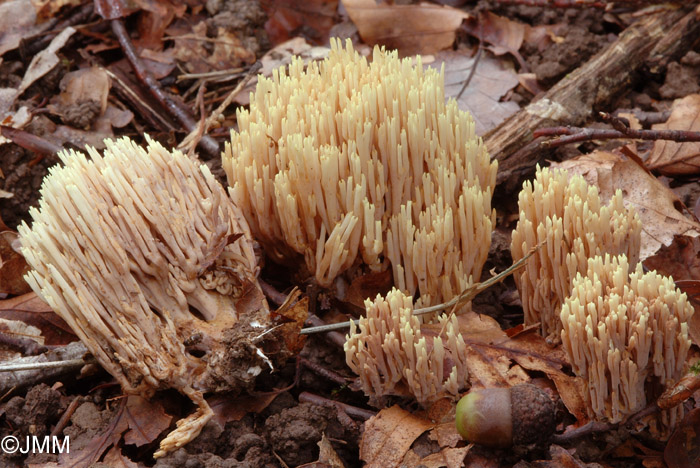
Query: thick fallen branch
point(653, 41)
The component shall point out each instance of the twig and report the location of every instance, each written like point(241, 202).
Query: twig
point(323, 372)
point(354, 411)
point(592, 427)
point(229, 74)
point(174, 108)
point(466, 296)
point(472, 72)
point(26, 346)
point(271, 293)
point(67, 364)
point(198, 132)
point(578, 134)
point(30, 370)
point(334, 337)
point(646, 118)
point(29, 141)
point(154, 118)
point(471, 292)
point(595, 427)
point(187, 142)
point(30, 46)
point(65, 418)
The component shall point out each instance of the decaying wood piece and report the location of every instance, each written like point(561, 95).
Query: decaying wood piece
point(653, 41)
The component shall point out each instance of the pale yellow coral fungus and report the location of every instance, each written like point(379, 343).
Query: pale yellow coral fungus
point(349, 161)
point(392, 356)
point(133, 249)
point(626, 334)
point(567, 216)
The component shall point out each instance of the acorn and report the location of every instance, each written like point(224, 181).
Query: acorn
point(503, 417)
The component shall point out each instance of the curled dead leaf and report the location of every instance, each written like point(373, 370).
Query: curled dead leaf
point(682, 450)
point(13, 267)
point(482, 98)
point(446, 457)
point(30, 309)
point(505, 36)
point(389, 435)
point(658, 207)
point(286, 17)
point(671, 157)
point(44, 61)
point(83, 96)
point(412, 29)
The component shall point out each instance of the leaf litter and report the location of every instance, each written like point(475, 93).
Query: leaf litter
point(498, 358)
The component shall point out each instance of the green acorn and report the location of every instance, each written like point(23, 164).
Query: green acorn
point(503, 417)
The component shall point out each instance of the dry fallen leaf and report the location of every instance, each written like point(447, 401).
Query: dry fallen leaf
point(11, 119)
point(683, 448)
point(475, 459)
point(505, 35)
point(673, 158)
point(367, 287)
point(47, 9)
point(289, 320)
point(153, 20)
point(30, 335)
point(17, 20)
point(31, 310)
point(447, 457)
point(494, 359)
point(655, 203)
point(635, 449)
point(116, 459)
point(101, 129)
point(138, 420)
point(544, 35)
point(679, 260)
point(531, 351)
point(146, 419)
point(199, 53)
point(12, 265)
point(482, 98)
point(388, 437)
point(228, 408)
point(412, 29)
point(44, 61)
point(561, 458)
point(327, 457)
point(570, 390)
point(83, 95)
point(487, 364)
point(445, 434)
point(286, 17)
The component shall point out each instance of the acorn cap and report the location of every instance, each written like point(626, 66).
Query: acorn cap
point(533, 415)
